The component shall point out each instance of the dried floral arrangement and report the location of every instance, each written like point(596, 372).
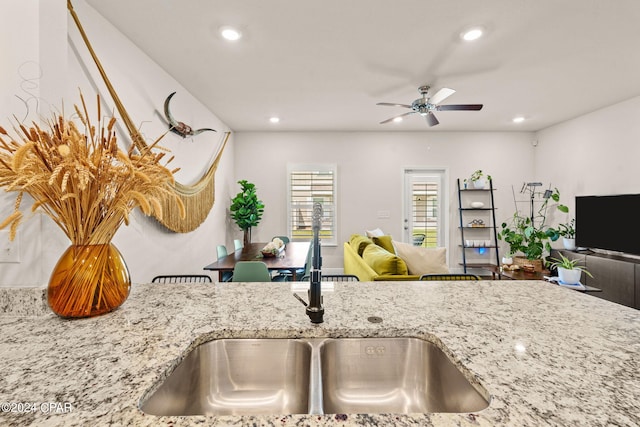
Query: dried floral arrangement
point(88, 186)
point(81, 179)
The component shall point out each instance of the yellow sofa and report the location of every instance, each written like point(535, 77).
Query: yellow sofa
point(376, 264)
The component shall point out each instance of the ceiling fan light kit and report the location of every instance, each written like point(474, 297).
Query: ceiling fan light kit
point(426, 105)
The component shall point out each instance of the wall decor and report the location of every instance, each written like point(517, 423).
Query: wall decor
point(196, 199)
point(180, 128)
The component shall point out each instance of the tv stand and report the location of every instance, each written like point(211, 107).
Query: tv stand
point(617, 275)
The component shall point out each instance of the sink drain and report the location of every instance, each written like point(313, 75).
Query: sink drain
point(374, 319)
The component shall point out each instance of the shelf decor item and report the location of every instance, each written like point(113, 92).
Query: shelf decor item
point(88, 186)
point(479, 179)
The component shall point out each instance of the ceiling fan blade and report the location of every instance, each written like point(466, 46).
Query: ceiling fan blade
point(431, 119)
point(441, 95)
point(389, 104)
point(464, 107)
point(393, 118)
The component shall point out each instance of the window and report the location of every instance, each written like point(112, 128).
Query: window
point(306, 185)
point(424, 201)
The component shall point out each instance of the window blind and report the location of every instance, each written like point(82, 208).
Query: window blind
point(425, 200)
point(307, 186)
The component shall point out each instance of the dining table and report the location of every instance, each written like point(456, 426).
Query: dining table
point(292, 258)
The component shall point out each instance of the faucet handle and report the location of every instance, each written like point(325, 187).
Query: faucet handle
point(300, 299)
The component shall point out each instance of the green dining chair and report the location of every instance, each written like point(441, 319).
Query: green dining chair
point(284, 239)
point(237, 244)
point(222, 252)
point(251, 271)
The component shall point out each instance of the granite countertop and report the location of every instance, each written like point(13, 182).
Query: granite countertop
point(547, 355)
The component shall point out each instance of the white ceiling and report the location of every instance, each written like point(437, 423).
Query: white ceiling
point(322, 65)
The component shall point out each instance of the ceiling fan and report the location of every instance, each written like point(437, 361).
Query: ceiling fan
point(425, 106)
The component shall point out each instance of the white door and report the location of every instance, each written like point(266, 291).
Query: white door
point(425, 207)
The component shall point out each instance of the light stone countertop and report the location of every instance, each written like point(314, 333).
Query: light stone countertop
point(547, 355)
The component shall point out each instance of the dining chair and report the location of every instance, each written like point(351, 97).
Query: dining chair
point(237, 243)
point(182, 278)
point(452, 276)
point(301, 274)
point(222, 252)
point(285, 239)
point(251, 271)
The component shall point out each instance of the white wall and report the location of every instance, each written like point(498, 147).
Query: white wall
point(595, 154)
point(149, 249)
point(370, 167)
point(33, 51)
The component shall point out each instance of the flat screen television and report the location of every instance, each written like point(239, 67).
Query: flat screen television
point(609, 222)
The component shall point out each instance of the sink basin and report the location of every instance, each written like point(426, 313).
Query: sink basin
point(237, 377)
point(314, 376)
point(393, 375)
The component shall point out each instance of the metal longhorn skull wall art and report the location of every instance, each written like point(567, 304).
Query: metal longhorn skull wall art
point(180, 128)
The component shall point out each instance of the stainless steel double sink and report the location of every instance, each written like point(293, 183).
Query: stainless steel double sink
point(315, 376)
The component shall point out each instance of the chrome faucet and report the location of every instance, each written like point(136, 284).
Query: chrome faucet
point(314, 308)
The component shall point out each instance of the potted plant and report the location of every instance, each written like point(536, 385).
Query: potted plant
point(246, 209)
point(530, 236)
point(569, 271)
point(479, 179)
point(568, 233)
point(524, 237)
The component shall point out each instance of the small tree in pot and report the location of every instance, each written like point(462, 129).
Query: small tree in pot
point(246, 209)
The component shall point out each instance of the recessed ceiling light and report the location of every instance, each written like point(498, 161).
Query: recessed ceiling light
point(472, 34)
point(518, 119)
point(520, 347)
point(397, 120)
point(274, 119)
point(230, 33)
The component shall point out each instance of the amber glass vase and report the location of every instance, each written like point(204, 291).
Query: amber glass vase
point(88, 280)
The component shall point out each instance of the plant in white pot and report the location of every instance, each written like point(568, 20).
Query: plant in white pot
point(479, 179)
point(568, 233)
point(569, 271)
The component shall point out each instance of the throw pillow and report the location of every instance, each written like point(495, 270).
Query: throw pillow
point(422, 260)
point(374, 233)
point(358, 242)
point(384, 242)
point(382, 261)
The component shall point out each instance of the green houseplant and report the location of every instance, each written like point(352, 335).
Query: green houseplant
point(478, 179)
point(529, 235)
point(567, 230)
point(246, 209)
point(568, 233)
point(569, 271)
